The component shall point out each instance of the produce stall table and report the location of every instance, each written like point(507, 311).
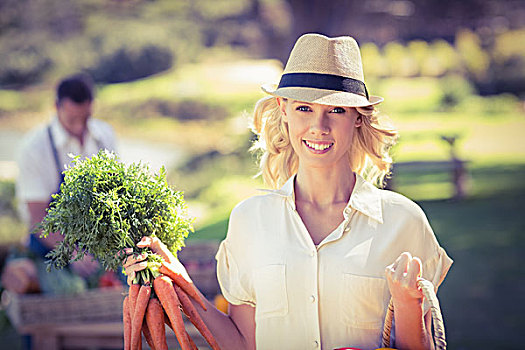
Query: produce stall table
point(93, 336)
point(93, 319)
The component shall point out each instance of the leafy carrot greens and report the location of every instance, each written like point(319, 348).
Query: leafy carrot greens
point(105, 206)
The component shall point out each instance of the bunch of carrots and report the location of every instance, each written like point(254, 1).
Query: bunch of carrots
point(159, 301)
point(106, 207)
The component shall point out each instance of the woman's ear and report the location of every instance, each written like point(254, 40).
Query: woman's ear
point(282, 106)
point(359, 121)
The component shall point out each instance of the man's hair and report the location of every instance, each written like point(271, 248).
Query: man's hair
point(78, 88)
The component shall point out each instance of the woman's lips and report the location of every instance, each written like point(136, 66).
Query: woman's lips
point(318, 147)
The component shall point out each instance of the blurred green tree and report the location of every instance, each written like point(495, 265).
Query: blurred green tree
point(376, 65)
point(475, 59)
point(420, 52)
point(128, 63)
point(400, 60)
point(507, 68)
point(443, 59)
point(23, 63)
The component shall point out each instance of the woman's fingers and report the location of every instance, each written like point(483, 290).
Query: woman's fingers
point(136, 267)
point(414, 271)
point(402, 265)
point(156, 247)
point(132, 270)
point(134, 263)
point(402, 278)
point(145, 242)
point(130, 278)
point(152, 242)
point(398, 268)
point(132, 259)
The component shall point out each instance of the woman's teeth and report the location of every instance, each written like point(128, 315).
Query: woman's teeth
point(318, 146)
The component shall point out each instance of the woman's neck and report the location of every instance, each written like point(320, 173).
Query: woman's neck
point(324, 186)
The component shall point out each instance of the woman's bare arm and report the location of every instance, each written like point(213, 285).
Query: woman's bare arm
point(235, 330)
point(411, 330)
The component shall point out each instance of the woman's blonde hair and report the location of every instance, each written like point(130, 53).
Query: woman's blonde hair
point(369, 155)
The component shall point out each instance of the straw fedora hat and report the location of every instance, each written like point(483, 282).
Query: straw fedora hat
point(324, 70)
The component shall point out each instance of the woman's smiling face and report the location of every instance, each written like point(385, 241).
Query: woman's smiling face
point(320, 135)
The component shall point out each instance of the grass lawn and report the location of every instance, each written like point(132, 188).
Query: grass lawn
point(482, 296)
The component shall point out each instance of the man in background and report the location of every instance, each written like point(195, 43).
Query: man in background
point(45, 153)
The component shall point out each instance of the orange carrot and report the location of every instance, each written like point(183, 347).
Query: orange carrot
point(138, 315)
point(170, 302)
point(195, 318)
point(155, 323)
point(192, 343)
point(147, 335)
point(133, 293)
point(179, 280)
point(126, 318)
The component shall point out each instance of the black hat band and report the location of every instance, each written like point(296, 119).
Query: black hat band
point(324, 81)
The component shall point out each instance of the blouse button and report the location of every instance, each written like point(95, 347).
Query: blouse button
point(312, 298)
point(315, 344)
point(312, 253)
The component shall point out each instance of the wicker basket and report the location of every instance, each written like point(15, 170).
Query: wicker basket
point(437, 319)
point(90, 306)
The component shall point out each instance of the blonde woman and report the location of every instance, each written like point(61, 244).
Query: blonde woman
point(313, 262)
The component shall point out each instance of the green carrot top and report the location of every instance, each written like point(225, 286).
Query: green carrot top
point(105, 206)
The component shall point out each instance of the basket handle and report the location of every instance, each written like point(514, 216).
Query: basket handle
point(437, 319)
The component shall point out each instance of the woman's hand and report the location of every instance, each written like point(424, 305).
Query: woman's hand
point(157, 247)
point(134, 264)
point(411, 331)
point(402, 277)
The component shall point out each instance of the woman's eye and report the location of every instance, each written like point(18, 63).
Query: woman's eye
point(338, 110)
point(303, 108)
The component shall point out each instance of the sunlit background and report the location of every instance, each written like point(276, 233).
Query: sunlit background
point(178, 79)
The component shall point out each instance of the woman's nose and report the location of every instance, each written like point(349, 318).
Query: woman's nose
point(320, 124)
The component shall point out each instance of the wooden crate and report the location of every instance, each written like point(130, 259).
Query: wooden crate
point(93, 305)
point(104, 305)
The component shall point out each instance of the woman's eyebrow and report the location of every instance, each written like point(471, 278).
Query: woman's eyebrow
point(302, 103)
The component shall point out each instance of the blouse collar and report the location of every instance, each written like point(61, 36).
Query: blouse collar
point(365, 198)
